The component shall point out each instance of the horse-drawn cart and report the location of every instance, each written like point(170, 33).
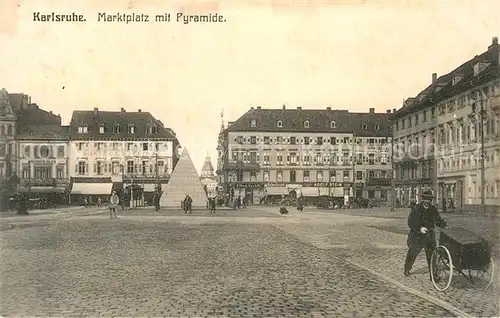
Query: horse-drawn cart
point(464, 252)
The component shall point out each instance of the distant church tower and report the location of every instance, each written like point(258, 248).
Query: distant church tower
point(208, 178)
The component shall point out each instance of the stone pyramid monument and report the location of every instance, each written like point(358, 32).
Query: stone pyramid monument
point(184, 180)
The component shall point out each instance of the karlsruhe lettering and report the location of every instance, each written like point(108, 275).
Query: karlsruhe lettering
point(58, 17)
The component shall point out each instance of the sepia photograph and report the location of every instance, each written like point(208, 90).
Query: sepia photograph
point(262, 158)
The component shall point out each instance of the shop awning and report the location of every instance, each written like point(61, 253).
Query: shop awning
point(324, 191)
point(338, 192)
point(309, 191)
point(149, 187)
point(276, 191)
point(92, 188)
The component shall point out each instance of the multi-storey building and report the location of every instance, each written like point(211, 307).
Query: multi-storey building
point(309, 152)
point(442, 129)
point(7, 137)
point(208, 178)
point(43, 149)
point(114, 150)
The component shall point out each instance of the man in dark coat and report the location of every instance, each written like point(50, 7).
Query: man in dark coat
point(423, 219)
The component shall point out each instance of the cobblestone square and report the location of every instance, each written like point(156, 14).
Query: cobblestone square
point(252, 264)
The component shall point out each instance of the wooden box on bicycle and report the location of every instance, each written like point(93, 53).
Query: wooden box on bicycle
point(467, 249)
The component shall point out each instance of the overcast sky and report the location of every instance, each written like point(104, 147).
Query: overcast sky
point(350, 56)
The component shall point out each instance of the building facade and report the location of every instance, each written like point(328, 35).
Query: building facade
point(274, 152)
point(208, 178)
point(451, 140)
point(119, 150)
point(7, 137)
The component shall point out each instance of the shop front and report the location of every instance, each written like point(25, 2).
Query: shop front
point(90, 188)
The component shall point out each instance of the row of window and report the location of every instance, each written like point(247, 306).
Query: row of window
point(321, 176)
point(319, 158)
point(449, 106)
point(44, 152)
point(491, 190)
point(43, 172)
point(115, 168)
point(307, 124)
point(145, 146)
point(131, 129)
point(7, 130)
point(6, 149)
point(470, 161)
point(267, 140)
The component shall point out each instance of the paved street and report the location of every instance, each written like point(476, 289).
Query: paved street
point(246, 263)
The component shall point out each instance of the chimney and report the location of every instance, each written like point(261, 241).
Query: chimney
point(372, 110)
point(434, 77)
point(394, 110)
point(140, 110)
point(50, 112)
point(258, 107)
point(299, 107)
point(122, 110)
point(328, 108)
point(251, 107)
point(494, 41)
point(284, 106)
point(388, 111)
point(96, 111)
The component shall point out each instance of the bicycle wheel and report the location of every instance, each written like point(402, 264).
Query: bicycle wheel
point(483, 277)
point(441, 268)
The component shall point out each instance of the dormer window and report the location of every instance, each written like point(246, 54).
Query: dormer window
point(479, 67)
point(151, 129)
point(377, 127)
point(253, 123)
point(131, 129)
point(101, 129)
point(364, 126)
point(306, 124)
point(279, 124)
point(116, 128)
point(456, 79)
point(83, 130)
point(333, 124)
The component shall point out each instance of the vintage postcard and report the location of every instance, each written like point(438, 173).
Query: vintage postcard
point(262, 158)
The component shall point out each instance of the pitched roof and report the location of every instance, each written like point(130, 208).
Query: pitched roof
point(33, 115)
point(109, 119)
point(431, 96)
point(45, 132)
point(293, 120)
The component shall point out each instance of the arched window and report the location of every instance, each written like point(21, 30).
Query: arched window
point(279, 124)
point(377, 127)
point(333, 124)
point(306, 124)
point(9, 130)
point(364, 127)
point(2, 130)
point(253, 123)
point(116, 128)
point(151, 129)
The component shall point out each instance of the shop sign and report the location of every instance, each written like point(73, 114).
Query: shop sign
point(323, 184)
point(248, 185)
point(43, 161)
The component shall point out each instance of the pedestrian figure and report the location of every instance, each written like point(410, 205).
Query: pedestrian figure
point(156, 199)
point(300, 205)
point(122, 199)
point(113, 204)
point(212, 205)
point(86, 202)
point(422, 221)
point(188, 204)
point(443, 201)
point(99, 202)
